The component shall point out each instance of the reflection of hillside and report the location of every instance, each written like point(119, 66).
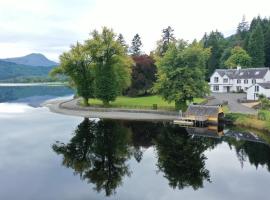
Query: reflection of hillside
point(15, 93)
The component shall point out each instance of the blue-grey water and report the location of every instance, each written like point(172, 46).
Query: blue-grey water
point(47, 156)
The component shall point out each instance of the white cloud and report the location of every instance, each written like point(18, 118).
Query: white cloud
point(50, 26)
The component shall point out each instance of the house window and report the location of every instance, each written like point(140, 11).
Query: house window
point(238, 81)
point(216, 88)
point(256, 88)
point(225, 80)
point(216, 79)
point(253, 81)
point(246, 81)
point(238, 88)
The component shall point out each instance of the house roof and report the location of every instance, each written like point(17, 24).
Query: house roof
point(248, 73)
point(199, 110)
point(265, 85)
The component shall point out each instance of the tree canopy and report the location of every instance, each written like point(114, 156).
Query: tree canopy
point(112, 64)
point(136, 44)
point(215, 40)
point(98, 68)
point(256, 46)
point(181, 73)
point(79, 67)
point(238, 57)
point(143, 75)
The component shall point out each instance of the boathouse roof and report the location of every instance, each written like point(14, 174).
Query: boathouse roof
point(203, 110)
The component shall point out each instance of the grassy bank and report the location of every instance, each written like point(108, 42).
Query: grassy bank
point(140, 102)
point(250, 121)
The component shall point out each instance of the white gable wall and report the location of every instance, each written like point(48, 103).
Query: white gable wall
point(252, 95)
point(214, 84)
point(215, 74)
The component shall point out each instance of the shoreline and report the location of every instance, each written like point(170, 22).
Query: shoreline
point(3, 84)
point(71, 107)
point(248, 121)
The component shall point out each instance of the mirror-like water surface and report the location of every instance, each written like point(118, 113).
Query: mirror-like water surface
point(50, 156)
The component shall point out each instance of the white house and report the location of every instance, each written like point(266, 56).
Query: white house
point(255, 90)
point(237, 80)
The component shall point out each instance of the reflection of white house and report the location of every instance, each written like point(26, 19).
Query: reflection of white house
point(255, 90)
point(237, 80)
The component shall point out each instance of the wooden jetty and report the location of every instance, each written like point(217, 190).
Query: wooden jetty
point(200, 115)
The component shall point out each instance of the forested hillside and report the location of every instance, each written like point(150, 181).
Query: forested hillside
point(11, 72)
point(248, 47)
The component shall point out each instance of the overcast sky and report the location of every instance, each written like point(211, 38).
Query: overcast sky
point(50, 26)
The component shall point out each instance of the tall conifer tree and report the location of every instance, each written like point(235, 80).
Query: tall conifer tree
point(136, 45)
point(256, 47)
point(267, 47)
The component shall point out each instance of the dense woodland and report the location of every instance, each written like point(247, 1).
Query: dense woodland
point(105, 66)
point(248, 47)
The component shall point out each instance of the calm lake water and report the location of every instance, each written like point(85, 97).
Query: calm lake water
point(47, 156)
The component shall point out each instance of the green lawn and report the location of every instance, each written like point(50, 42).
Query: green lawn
point(251, 121)
point(140, 102)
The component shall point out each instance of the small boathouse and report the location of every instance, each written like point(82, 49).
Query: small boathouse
point(200, 115)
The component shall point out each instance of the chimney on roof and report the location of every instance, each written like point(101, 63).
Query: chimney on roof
point(238, 67)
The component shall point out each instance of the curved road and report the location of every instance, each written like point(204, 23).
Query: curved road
point(71, 108)
point(233, 105)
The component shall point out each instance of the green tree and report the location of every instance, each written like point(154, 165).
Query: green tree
point(112, 65)
point(238, 57)
point(242, 28)
point(122, 41)
point(242, 32)
point(225, 56)
point(256, 46)
point(136, 45)
point(166, 40)
point(267, 47)
point(181, 73)
point(79, 67)
point(215, 41)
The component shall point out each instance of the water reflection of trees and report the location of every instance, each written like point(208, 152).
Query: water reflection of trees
point(255, 153)
point(98, 152)
point(181, 158)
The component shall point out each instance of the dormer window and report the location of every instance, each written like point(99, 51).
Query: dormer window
point(246, 81)
point(257, 72)
point(216, 79)
point(225, 80)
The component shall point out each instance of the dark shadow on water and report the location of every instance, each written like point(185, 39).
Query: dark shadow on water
point(99, 151)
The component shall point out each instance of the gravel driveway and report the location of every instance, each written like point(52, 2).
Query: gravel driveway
point(233, 105)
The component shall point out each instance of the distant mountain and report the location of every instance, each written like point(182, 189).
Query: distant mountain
point(34, 59)
point(12, 72)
